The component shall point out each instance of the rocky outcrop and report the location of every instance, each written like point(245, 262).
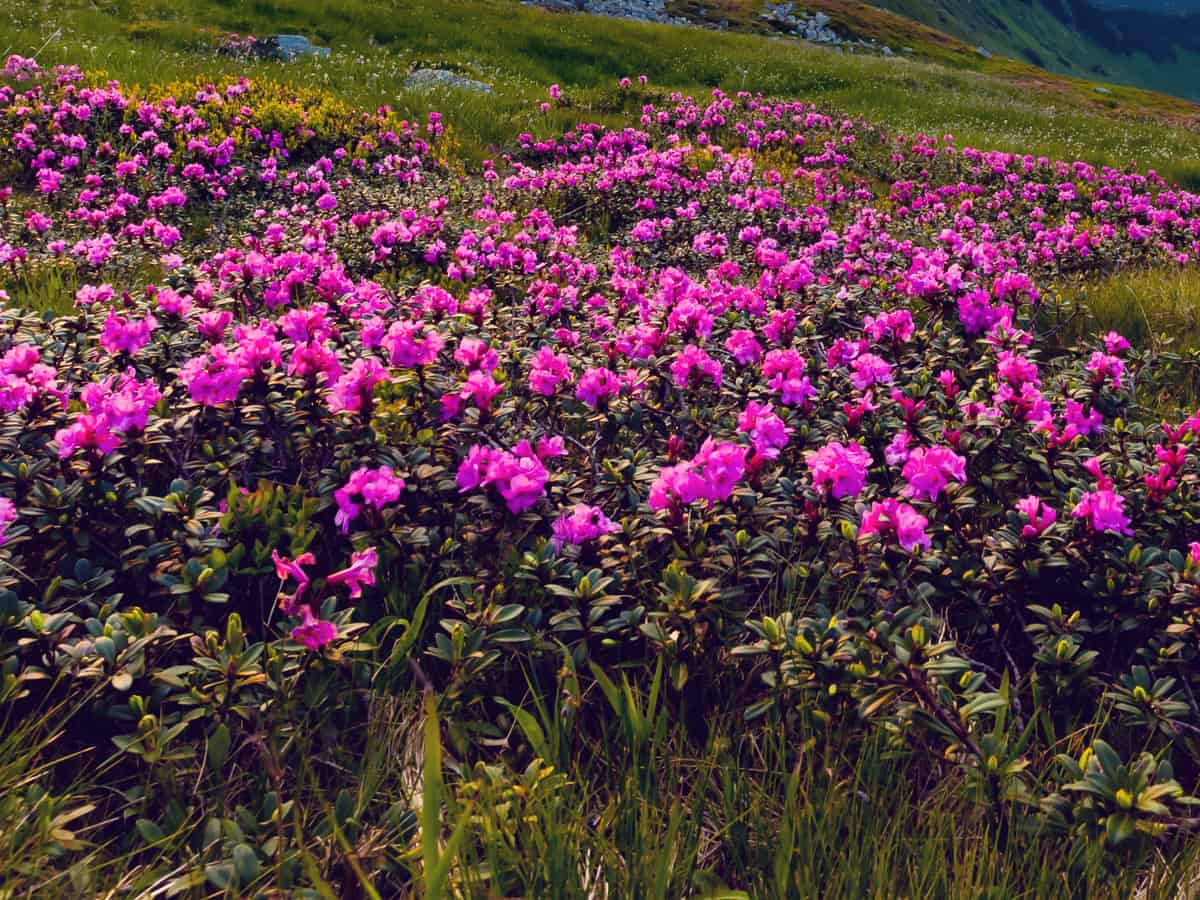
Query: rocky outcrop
point(784, 17)
point(429, 79)
point(645, 10)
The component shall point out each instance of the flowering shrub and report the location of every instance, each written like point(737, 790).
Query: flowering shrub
point(800, 407)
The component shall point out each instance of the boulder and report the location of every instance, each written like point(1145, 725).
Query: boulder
point(430, 79)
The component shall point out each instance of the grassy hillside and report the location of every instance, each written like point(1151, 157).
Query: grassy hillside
point(1151, 48)
point(995, 103)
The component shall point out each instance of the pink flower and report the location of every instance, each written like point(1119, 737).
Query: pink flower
point(88, 432)
point(744, 347)
point(893, 517)
point(475, 355)
point(126, 408)
point(1115, 343)
point(312, 632)
point(896, 452)
point(482, 388)
point(1106, 367)
point(8, 515)
point(377, 488)
point(410, 344)
point(1040, 516)
point(928, 470)
point(360, 571)
point(1104, 510)
point(768, 433)
point(840, 469)
point(354, 391)
point(126, 335)
point(212, 324)
point(548, 370)
point(597, 385)
point(1194, 553)
point(710, 475)
point(785, 371)
point(694, 366)
point(869, 369)
point(584, 523)
point(518, 475)
point(294, 569)
point(897, 325)
point(214, 377)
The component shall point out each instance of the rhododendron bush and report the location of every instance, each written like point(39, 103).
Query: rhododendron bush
point(768, 398)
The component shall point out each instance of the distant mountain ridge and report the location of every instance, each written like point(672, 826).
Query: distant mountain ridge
point(1145, 43)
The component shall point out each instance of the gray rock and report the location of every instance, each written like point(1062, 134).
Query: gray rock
point(984, 52)
point(1101, 89)
point(430, 79)
point(821, 20)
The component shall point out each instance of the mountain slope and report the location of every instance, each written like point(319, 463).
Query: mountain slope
point(1148, 44)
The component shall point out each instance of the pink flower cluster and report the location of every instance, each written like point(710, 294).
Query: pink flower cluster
point(582, 524)
point(839, 469)
point(376, 488)
point(710, 475)
point(518, 475)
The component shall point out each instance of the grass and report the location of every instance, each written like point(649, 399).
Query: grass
point(998, 104)
point(642, 810)
point(1157, 309)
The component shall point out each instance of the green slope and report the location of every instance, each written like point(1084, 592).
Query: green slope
point(942, 87)
point(1155, 50)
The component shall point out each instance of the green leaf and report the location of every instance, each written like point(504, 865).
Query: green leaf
point(149, 831)
point(218, 746)
point(530, 728)
point(245, 860)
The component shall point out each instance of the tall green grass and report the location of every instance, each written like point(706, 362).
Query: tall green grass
point(522, 49)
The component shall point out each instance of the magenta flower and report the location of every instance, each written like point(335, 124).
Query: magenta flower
point(354, 391)
point(125, 408)
point(1115, 343)
point(897, 325)
point(929, 470)
point(212, 324)
point(1106, 367)
point(88, 432)
point(360, 571)
point(548, 370)
point(710, 475)
point(518, 475)
point(377, 488)
point(8, 515)
point(126, 335)
point(893, 517)
point(1194, 553)
point(1040, 516)
point(584, 523)
point(482, 388)
point(693, 366)
point(294, 569)
point(597, 385)
point(312, 632)
point(768, 433)
point(784, 370)
point(840, 469)
point(214, 377)
point(410, 344)
point(744, 347)
point(869, 369)
point(896, 452)
point(1104, 511)
point(475, 355)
